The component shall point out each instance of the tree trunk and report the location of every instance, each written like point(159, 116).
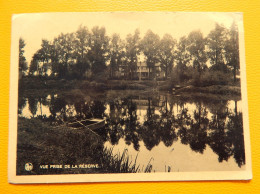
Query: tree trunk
point(166, 71)
point(41, 106)
point(236, 108)
point(111, 74)
point(235, 72)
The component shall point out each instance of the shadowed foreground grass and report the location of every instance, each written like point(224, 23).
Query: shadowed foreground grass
point(50, 149)
point(41, 144)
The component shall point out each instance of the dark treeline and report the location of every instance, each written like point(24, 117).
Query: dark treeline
point(92, 54)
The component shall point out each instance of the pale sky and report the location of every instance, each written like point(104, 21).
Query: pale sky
point(37, 26)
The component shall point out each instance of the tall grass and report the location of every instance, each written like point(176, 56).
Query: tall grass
point(121, 163)
point(118, 163)
point(149, 166)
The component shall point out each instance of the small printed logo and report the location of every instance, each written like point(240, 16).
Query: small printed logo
point(28, 166)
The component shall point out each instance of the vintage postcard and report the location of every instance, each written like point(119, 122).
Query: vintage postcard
point(128, 96)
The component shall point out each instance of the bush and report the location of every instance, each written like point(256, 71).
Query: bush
point(182, 76)
point(101, 77)
point(192, 76)
point(174, 80)
point(209, 78)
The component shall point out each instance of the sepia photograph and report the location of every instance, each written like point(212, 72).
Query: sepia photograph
point(128, 96)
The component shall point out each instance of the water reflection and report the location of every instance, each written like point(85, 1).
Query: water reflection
point(146, 123)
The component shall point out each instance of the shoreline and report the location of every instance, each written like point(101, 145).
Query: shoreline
point(126, 85)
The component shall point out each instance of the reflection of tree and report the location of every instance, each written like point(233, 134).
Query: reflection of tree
point(149, 132)
point(167, 125)
point(193, 130)
point(184, 123)
point(223, 132)
point(122, 122)
point(198, 131)
point(42, 101)
point(79, 105)
point(33, 102)
point(218, 139)
point(83, 109)
point(167, 131)
point(57, 105)
point(236, 137)
point(210, 123)
point(115, 122)
point(21, 104)
point(86, 109)
point(131, 125)
point(97, 109)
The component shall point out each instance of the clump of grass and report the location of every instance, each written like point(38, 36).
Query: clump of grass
point(149, 166)
point(121, 163)
point(118, 163)
point(167, 169)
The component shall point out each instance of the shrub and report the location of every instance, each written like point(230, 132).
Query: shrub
point(209, 78)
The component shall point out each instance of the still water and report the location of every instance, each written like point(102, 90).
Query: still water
point(172, 133)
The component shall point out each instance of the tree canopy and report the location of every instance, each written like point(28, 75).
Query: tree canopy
point(88, 53)
point(22, 60)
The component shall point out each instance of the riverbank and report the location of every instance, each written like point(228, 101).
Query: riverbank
point(215, 89)
point(41, 144)
point(144, 85)
point(62, 150)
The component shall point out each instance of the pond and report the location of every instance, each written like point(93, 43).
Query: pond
point(170, 132)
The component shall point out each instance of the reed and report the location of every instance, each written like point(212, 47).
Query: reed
point(121, 163)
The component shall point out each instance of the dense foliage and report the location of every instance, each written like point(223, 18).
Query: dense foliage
point(93, 55)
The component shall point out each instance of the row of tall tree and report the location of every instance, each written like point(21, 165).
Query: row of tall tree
point(91, 52)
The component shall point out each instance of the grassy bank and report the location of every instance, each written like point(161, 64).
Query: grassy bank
point(67, 151)
point(215, 89)
point(41, 144)
point(147, 85)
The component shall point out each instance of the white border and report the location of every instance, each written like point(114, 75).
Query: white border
point(172, 176)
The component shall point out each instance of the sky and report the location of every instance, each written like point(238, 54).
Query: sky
point(34, 27)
